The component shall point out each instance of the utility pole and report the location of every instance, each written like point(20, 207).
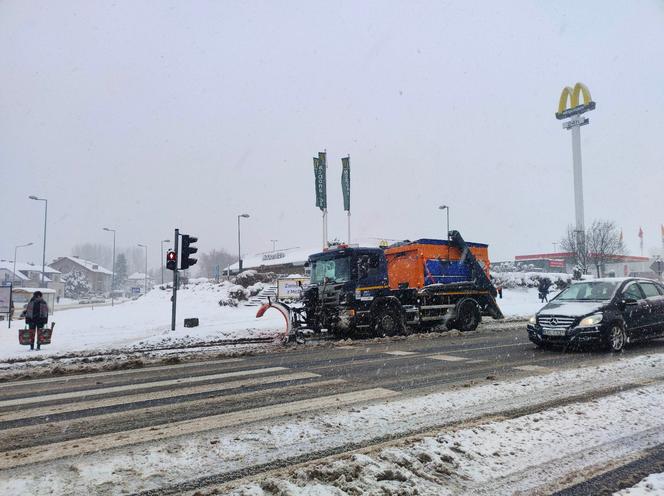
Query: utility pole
point(113, 278)
point(32, 197)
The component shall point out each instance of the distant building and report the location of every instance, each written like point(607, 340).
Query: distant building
point(30, 276)
point(98, 278)
point(137, 280)
point(619, 266)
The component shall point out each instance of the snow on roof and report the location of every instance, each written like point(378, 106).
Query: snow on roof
point(87, 264)
point(22, 269)
point(295, 256)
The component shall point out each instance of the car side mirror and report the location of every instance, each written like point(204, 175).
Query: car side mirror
point(627, 301)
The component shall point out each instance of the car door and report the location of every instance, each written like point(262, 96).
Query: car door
point(636, 315)
point(656, 302)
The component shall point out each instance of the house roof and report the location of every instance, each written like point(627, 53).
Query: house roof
point(87, 264)
point(22, 269)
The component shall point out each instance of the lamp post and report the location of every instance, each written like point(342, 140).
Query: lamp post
point(447, 208)
point(113, 277)
point(32, 197)
point(15, 251)
point(239, 251)
point(145, 288)
point(162, 258)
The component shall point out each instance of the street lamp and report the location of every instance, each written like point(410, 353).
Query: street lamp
point(162, 258)
point(113, 278)
point(274, 244)
point(447, 207)
point(239, 252)
point(32, 197)
point(145, 290)
point(15, 250)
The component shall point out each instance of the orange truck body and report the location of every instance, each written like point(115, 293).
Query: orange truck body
point(407, 264)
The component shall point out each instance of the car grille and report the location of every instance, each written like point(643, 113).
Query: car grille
point(555, 322)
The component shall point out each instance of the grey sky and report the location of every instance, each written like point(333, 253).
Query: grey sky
point(109, 108)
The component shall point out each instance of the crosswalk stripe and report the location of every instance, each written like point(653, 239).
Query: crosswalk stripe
point(150, 396)
point(128, 387)
point(400, 353)
point(447, 358)
point(77, 447)
point(72, 377)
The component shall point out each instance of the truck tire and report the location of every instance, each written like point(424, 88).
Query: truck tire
point(388, 322)
point(468, 316)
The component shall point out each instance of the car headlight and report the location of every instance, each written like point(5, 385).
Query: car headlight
point(533, 320)
point(591, 320)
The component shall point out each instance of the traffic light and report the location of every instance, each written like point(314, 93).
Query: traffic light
point(171, 260)
point(187, 251)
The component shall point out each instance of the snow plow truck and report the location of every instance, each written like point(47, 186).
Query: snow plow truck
point(407, 286)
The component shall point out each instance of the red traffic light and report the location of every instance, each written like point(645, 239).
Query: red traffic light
point(171, 260)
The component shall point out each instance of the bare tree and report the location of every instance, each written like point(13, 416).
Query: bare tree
point(603, 243)
point(208, 262)
point(574, 244)
point(599, 245)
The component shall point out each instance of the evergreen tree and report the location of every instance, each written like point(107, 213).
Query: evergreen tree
point(76, 285)
point(121, 271)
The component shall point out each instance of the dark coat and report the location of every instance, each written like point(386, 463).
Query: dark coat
point(37, 311)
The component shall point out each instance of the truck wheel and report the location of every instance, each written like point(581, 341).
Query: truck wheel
point(468, 316)
point(388, 322)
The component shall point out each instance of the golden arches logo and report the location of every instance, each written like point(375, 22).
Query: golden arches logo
point(572, 97)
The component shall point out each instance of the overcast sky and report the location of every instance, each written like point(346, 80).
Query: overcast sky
point(146, 116)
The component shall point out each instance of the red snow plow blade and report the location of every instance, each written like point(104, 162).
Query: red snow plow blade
point(284, 310)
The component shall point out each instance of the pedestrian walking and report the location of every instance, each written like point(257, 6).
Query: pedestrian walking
point(36, 317)
point(543, 289)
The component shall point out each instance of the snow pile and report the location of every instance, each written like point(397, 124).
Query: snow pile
point(147, 320)
point(650, 486)
point(530, 279)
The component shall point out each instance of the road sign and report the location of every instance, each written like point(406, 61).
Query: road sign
point(135, 290)
point(5, 299)
point(657, 267)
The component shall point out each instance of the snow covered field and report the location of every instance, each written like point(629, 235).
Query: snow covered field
point(146, 322)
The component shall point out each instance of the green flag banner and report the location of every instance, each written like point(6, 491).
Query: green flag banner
point(345, 182)
point(320, 184)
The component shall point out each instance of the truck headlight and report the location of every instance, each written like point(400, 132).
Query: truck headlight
point(591, 320)
point(533, 320)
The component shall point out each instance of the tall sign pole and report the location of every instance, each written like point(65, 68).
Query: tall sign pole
point(345, 188)
point(320, 176)
point(174, 298)
point(570, 107)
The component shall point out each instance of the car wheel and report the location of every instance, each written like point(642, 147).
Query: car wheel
point(617, 338)
point(469, 316)
point(388, 322)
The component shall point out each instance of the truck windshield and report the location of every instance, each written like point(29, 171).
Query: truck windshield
point(589, 291)
point(335, 270)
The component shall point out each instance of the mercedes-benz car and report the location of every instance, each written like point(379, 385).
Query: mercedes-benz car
point(609, 312)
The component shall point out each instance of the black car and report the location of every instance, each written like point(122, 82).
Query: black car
point(609, 312)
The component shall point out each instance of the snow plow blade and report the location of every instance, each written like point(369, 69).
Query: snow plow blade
point(284, 310)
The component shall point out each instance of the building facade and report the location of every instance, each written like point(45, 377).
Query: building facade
point(98, 278)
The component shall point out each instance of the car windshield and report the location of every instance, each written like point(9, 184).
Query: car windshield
point(591, 291)
point(334, 270)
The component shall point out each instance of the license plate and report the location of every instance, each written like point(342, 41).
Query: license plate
point(553, 332)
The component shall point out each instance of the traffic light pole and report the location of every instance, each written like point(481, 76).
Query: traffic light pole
point(174, 299)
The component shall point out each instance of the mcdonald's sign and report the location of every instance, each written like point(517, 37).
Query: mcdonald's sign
point(569, 103)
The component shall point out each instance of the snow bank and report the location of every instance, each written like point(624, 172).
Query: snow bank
point(650, 486)
point(147, 321)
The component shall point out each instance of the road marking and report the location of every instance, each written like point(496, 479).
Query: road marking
point(69, 378)
point(448, 358)
point(81, 446)
point(400, 353)
point(476, 361)
point(128, 387)
point(151, 396)
point(533, 368)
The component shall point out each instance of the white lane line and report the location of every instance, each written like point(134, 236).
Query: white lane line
point(93, 444)
point(476, 361)
point(15, 435)
point(73, 377)
point(151, 396)
point(400, 353)
point(533, 368)
point(129, 387)
point(448, 358)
